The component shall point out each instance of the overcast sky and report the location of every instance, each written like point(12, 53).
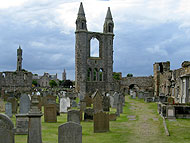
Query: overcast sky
point(146, 31)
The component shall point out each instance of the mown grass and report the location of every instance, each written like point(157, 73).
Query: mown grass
point(122, 130)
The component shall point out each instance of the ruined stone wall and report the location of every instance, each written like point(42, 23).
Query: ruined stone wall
point(143, 83)
point(12, 81)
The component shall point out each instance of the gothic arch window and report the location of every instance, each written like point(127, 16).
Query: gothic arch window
point(101, 74)
point(94, 47)
point(89, 73)
point(95, 78)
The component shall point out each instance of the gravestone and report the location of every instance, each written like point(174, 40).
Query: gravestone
point(73, 116)
point(8, 109)
point(63, 105)
point(49, 99)
point(112, 117)
point(50, 113)
point(97, 101)
point(68, 102)
point(14, 103)
point(88, 114)
point(116, 98)
point(6, 129)
point(73, 103)
point(106, 103)
point(170, 111)
point(111, 101)
point(141, 95)
point(118, 110)
point(88, 101)
point(101, 122)
point(24, 104)
point(82, 105)
point(2, 106)
point(21, 124)
point(70, 132)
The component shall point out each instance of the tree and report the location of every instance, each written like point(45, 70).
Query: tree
point(117, 76)
point(52, 83)
point(68, 83)
point(129, 75)
point(34, 82)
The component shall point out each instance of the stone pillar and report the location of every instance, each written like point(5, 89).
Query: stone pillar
point(34, 126)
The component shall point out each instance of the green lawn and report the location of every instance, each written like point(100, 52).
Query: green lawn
point(147, 128)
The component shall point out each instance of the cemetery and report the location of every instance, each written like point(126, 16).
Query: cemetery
point(98, 108)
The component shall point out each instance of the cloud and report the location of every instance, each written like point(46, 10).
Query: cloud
point(145, 32)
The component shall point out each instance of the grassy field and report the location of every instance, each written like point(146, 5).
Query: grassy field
point(147, 127)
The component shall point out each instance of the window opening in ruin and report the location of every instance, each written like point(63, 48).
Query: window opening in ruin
point(82, 25)
point(94, 48)
point(89, 74)
point(101, 75)
point(161, 68)
point(95, 74)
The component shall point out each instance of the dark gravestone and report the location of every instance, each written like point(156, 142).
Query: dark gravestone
point(8, 109)
point(24, 104)
point(73, 103)
point(106, 103)
point(73, 116)
point(49, 99)
point(14, 103)
point(6, 129)
point(70, 133)
point(50, 113)
point(97, 101)
point(88, 101)
point(101, 122)
point(88, 114)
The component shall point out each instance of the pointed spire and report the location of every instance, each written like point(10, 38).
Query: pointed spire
point(81, 10)
point(19, 47)
point(108, 15)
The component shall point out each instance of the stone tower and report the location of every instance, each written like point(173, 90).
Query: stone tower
point(19, 59)
point(91, 72)
point(64, 75)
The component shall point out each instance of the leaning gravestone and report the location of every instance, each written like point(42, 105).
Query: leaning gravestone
point(24, 104)
point(73, 116)
point(8, 109)
point(70, 132)
point(101, 122)
point(6, 129)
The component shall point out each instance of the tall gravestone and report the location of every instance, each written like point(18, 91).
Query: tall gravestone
point(97, 101)
point(73, 116)
point(8, 109)
point(34, 126)
point(106, 103)
point(24, 104)
point(6, 129)
point(116, 98)
point(63, 105)
point(111, 101)
point(101, 122)
point(70, 132)
point(88, 101)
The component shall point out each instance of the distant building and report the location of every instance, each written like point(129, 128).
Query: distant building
point(64, 75)
point(19, 80)
point(43, 81)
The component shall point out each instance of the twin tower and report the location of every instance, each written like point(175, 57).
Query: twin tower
point(92, 73)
